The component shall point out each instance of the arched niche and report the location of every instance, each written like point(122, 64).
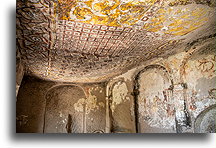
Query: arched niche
point(121, 108)
point(64, 111)
point(205, 121)
point(154, 106)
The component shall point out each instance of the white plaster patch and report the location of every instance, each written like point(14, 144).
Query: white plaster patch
point(89, 104)
point(79, 106)
point(119, 94)
point(60, 114)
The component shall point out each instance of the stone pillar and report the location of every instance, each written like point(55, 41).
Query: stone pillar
point(183, 119)
point(107, 128)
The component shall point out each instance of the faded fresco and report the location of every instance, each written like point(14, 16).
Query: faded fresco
point(205, 122)
point(177, 95)
point(73, 111)
point(95, 40)
point(155, 102)
point(121, 107)
point(115, 66)
point(200, 74)
point(60, 108)
point(172, 93)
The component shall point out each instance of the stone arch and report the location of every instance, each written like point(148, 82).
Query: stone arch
point(154, 105)
point(64, 112)
point(205, 121)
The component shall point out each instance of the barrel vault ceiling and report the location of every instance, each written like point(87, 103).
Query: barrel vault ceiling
point(94, 40)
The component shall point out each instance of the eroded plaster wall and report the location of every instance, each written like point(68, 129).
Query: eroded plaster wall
point(95, 108)
point(155, 104)
point(30, 105)
point(121, 108)
point(53, 107)
point(171, 100)
point(205, 122)
point(62, 113)
point(167, 94)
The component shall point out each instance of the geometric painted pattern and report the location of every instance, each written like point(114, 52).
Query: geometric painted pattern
point(56, 47)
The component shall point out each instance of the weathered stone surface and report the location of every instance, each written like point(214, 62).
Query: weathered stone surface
point(156, 105)
point(205, 122)
point(122, 109)
point(182, 89)
point(30, 105)
point(63, 111)
point(51, 107)
point(120, 66)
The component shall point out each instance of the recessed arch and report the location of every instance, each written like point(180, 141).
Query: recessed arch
point(120, 107)
point(64, 112)
point(154, 106)
point(205, 121)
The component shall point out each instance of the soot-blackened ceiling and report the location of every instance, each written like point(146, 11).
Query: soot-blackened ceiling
point(93, 40)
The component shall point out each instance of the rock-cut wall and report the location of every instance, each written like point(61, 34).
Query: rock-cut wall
point(168, 94)
point(53, 107)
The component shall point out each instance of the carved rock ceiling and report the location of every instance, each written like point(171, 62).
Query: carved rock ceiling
point(94, 40)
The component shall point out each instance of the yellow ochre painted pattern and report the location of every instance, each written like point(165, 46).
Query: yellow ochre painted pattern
point(167, 17)
point(106, 12)
point(178, 21)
